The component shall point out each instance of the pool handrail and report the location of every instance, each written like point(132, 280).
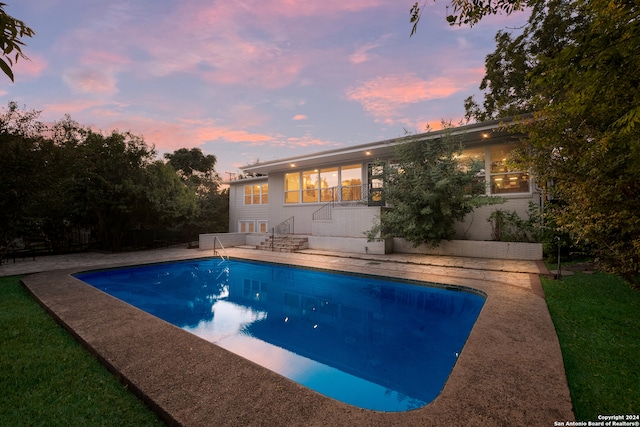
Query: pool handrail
point(215, 252)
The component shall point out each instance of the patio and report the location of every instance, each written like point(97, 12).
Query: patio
point(510, 372)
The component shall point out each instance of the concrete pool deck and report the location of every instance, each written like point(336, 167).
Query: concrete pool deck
point(509, 373)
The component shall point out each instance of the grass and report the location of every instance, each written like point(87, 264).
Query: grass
point(597, 319)
point(48, 379)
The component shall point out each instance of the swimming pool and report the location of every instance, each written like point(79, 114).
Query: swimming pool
point(377, 344)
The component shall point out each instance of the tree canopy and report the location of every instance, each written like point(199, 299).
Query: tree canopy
point(11, 34)
point(575, 67)
point(64, 178)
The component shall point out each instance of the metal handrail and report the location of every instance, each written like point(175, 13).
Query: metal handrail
point(324, 213)
point(215, 252)
point(284, 229)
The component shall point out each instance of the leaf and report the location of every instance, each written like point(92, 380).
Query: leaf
point(6, 69)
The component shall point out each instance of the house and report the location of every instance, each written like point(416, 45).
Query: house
point(333, 197)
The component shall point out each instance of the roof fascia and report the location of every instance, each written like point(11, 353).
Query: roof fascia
point(477, 134)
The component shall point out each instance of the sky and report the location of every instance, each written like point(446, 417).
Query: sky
point(248, 80)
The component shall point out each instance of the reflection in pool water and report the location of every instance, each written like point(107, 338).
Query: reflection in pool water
point(377, 344)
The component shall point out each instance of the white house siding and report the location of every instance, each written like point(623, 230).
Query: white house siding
point(476, 226)
point(238, 211)
point(279, 211)
point(347, 221)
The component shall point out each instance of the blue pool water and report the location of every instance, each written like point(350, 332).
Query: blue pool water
point(377, 344)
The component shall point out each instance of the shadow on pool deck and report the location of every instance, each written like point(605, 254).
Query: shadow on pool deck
point(509, 373)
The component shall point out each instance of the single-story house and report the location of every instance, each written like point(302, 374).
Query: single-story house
point(333, 197)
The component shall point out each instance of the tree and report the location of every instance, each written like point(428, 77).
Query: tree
point(171, 202)
point(64, 178)
point(197, 171)
point(110, 191)
point(10, 40)
point(192, 163)
point(582, 82)
point(20, 175)
point(428, 191)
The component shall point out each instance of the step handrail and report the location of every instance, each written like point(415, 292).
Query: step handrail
point(284, 229)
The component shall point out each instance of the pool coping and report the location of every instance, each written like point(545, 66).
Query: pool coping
point(510, 371)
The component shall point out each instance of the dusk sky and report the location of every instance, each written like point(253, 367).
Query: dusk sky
point(248, 80)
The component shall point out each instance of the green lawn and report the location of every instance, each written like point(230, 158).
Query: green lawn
point(597, 318)
point(48, 379)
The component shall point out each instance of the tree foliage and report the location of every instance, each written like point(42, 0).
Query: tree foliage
point(469, 12)
point(576, 67)
point(197, 171)
point(64, 177)
point(12, 31)
point(428, 191)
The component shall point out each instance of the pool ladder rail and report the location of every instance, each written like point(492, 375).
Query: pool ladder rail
point(215, 250)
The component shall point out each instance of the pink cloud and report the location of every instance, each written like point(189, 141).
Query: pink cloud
point(169, 136)
point(90, 81)
point(103, 58)
point(300, 117)
point(384, 97)
point(305, 141)
point(363, 53)
point(72, 107)
point(296, 8)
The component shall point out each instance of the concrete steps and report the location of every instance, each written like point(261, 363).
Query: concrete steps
point(284, 244)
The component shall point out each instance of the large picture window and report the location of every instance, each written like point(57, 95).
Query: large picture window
point(324, 185)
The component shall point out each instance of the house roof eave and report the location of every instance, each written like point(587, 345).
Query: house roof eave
point(475, 134)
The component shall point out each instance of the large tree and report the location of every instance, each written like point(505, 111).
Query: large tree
point(110, 184)
point(12, 31)
point(21, 173)
point(197, 170)
point(576, 68)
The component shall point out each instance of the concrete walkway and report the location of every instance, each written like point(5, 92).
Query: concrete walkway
point(510, 371)
point(60, 262)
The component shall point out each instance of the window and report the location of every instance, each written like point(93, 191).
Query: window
point(351, 183)
point(376, 181)
point(467, 160)
point(246, 226)
point(310, 186)
point(262, 226)
point(328, 184)
point(502, 178)
point(505, 178)
point(292, 187)
point(324, 185)
point(256, 194)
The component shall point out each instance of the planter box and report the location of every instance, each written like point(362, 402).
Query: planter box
point(475, 249)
